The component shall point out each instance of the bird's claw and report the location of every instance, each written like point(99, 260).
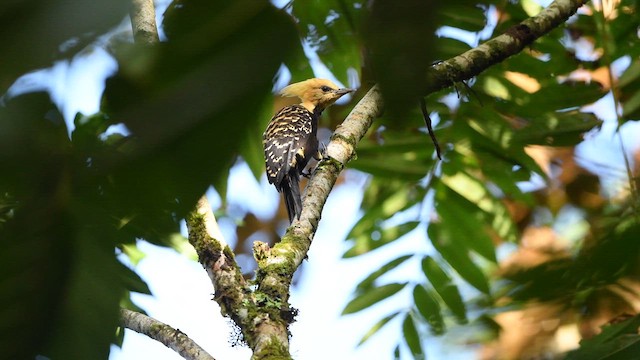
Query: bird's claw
point(322, 153)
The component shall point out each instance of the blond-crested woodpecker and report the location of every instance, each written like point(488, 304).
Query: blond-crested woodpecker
point(290, 139)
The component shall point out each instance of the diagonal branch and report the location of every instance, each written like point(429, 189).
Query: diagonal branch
point(218, 260)
point(496, 50)
point(170, 337)
point(277, 265)
point(232, 292)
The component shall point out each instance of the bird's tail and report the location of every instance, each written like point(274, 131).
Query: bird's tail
point(291, 193)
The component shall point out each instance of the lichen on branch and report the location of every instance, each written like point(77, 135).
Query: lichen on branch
point(170, 337)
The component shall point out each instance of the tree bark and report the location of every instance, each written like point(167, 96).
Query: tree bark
point(143, 22)
point(170, 337)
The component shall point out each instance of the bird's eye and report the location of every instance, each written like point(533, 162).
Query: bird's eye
point(325, 88)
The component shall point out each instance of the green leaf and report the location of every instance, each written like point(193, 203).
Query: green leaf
point(489, 132)
point(503, 173)
point(631, 105)
point(133, 253)
point(399, 42)
point(190, 106)
point(133, 282)
point(448, 47)
point(445, 288)
point(181, 244)
point(298, 65)
point(385, 203)
point(530, 65)
point(465, 222)
point(557, 128)
point(38, 238)
point(376, 327)
point(367, 242)
point(221, 184)
point(252, 151)
point(563, 96)
point(404, 166)
point(86, 135)
point(615, 342)
point(412, 338)
point(368, 282)
point(469, 17)
point(35, 33)
point(458, 257)
point(372, 297)
point(630, 75)
point(436, 275)
point(119, 337)
point(397, 142)
point(330, 27)
point(477, 193)
point(396, 155)
point(428, 306)
point(89, 314)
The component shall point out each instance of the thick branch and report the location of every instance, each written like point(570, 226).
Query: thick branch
point(496, 50)
point(170, 337)
point(143, 22)
point(277, 265)
point(232, 292)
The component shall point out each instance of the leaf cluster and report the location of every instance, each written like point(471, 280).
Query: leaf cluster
point(474, 200)
point(70, 196)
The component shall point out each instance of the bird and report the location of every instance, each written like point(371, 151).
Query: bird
point(290, 140)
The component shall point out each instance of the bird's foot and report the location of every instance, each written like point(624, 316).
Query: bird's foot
point(322, 153)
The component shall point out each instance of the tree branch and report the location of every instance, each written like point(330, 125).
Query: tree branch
point(277, 265)
point(258, 316)
point(143, 22)
point(232, 292)
point(170, 337)
point(215, 255)
point(496, 50)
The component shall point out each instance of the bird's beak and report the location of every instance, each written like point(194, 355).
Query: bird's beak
point(344, 91)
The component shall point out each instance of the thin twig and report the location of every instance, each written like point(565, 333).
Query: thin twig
point(427, 120)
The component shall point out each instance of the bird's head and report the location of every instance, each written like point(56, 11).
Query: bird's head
point(315, 93)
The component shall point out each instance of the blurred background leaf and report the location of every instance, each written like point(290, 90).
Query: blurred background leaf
point(35, 33)
point(71, 197)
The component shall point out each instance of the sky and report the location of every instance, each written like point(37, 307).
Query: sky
point(182, 291)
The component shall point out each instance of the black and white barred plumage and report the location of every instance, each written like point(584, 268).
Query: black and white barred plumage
point(290, 140)
point(289, 143)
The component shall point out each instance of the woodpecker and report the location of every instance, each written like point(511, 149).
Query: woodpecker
point(290, 139)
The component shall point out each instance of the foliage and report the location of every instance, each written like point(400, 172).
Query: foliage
point(534, 98)
point(617, 341)
point(198, 99)
point(69, 201)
